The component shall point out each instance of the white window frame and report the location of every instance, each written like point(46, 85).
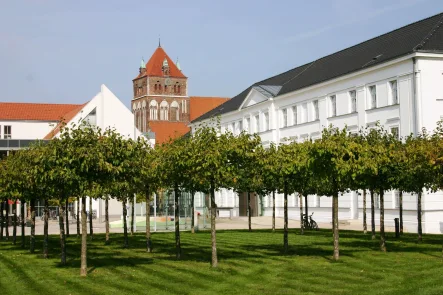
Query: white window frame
point(333, 105)
point(284, 117)
point(294, 115)
point(372, 97)
point(248, 124)
point(398, 130)
point(7, 135)
point(304, 109)
point(257, 123)
point(352, 101)
point(391, 92)
point(316, 109)
point(396, 199)
point(266, 123)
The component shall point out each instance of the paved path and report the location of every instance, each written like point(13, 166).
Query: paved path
point(262, 222)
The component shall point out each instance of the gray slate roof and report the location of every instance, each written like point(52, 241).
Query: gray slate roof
point(423, 36)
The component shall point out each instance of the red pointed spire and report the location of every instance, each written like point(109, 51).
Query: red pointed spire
point(155, 64)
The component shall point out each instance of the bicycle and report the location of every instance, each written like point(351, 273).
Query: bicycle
point(310, 224)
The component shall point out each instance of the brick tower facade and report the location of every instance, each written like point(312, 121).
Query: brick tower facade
point(161, 103)
point(160, 92)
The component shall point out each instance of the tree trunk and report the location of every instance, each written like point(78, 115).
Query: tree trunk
point(84, 261)
point(78, 217)
point(2, 219)
point(382, 222)
point(22, 215)
point(249, 211)
point(45, 231)
point(365, 224)
point(214, 260)
point(32, 237)
point(302, 224)
point(371, 192)
point(67, 218)
point(148, 222)
point(107, 219)
point(91, 231)
point(401, 211)
point(285, 222)
point(132, 215)
point(177, 222)
point(192, 213)
point(273, 211)
point(7, 220)
point(306, 209)
point(62, 234)
point(420, 230)
point(336, 255)
point(14, 229)
point(125, 224)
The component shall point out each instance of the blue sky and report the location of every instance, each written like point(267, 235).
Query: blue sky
point(61, 51)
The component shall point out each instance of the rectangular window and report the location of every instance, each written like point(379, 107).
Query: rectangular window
point(294, 115)
point(376, 201)
point(397, 199)
point(7, 132)
point(316, 111)
point(266, 121)
point(257, 123)
point(333, 101)
point(248, 124)
point(305, 112)
point(373, 96)
point(233, 128)
point(284, 118)
point(395, 132)
point(240, 126)
point(394, 93)
point(353, 98)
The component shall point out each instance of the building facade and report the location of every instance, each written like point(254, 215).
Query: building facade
point(394, 79)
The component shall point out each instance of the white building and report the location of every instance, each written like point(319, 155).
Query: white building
point(395, 78)
point(23, 123)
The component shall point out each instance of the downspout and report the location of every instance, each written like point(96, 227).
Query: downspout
point(416, 99)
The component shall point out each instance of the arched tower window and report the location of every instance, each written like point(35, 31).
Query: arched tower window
point(139, 117)
point(174, 111)
point(144, 114)
point(164, 110)
point(153, 110)
point(178, 89)
point(155, 87)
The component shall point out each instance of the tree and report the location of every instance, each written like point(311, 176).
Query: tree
point(174, 168)
point(147, 178)
point(418, 170)
point(87, 160)
point(213, 169)
point(247, 169)
point(270, 173)
point(377, 169)
point(333, 160)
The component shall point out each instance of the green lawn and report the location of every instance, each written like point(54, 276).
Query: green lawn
point(249, 263)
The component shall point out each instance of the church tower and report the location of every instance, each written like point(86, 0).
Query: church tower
point(160, 92)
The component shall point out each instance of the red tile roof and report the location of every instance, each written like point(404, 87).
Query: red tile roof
point(35, 111)
point(165, 130)
point(64, 119)
point(155, 64)
point(201, 105)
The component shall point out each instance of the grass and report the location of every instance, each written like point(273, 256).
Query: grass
point(249, 263)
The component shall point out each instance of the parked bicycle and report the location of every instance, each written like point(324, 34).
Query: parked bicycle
point(309, 224)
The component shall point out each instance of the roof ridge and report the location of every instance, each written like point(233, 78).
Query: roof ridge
point(304, 70)
point(366, 41)
point(429, 35)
